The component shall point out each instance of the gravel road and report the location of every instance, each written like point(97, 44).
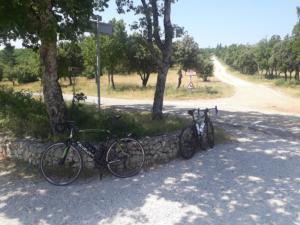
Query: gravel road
point(254, 179)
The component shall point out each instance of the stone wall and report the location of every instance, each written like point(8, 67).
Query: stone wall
point(158, 149)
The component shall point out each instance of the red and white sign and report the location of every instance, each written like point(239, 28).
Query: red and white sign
point(191, 73)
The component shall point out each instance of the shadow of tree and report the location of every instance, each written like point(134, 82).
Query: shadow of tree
point(252, 180)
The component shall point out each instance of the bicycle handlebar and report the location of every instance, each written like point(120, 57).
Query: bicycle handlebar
point(69, 125)
point(191, 112)
point(208, 109)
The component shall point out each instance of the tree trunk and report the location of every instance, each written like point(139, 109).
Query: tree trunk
point(145, 78)
point(297, 73)
point(285, 75)
point(112, 81)
point(70, 80)
point(108, 77)
point(179, 79)
point(159, 91)
point(51, 89)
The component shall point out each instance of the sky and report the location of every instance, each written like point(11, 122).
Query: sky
point(211, 22)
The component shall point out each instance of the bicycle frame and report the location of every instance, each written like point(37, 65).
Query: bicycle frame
point(200, 122)
point(80, 146)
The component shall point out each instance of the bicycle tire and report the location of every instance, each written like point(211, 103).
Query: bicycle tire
point(188, 142)
point(208, 138)
point(59, 170)
point(125, 153)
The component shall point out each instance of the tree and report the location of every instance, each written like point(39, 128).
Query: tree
point(88, 49)
point(140, 59)
point(69, 55)
point(151, 11)
point(39, 24)
point(262, 54)
point(204, 66)
point(113, 49)
point(186, 53)
point(9, 61)
point(247, 63)
point(296, 45)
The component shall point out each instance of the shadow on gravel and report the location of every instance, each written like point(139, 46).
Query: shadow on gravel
point(252, 180)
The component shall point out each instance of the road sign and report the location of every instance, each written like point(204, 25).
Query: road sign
point(103, 28)
point(191, 73)
point(74, 70)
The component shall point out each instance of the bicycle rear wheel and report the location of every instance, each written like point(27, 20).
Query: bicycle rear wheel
point(208, 138)
point(61, 164)
point(125, 157)
point(188, 142)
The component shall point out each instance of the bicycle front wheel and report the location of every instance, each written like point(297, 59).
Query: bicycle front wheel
point(188, 142)
point(125, 157)
point(61, 164)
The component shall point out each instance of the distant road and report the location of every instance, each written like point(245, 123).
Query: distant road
point(256, 96)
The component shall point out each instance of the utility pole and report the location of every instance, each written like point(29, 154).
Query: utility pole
point(105, 29)
point(98, 60)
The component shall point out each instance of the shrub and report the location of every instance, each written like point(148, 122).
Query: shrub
point(25, 116)
point(22, 114)
point(26, 74)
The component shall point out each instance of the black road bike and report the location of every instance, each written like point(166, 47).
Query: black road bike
point(62, 162)
point(199, 134)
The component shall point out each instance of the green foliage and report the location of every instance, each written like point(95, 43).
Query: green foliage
point(32, 20)
point(186, 52)
point(69, 55)
point(22, 114)
point(88, 48)
point(188, 55)
point(205, 67)
point(139, 57)
point(113, 51)
point(113, 48)
point(20, 65)
point(26, 73)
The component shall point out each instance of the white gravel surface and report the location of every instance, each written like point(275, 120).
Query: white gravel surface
point(252, 180)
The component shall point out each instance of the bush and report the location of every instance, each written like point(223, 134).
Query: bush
point(26, 74)
point(25, 116)
point(288, 83)
point(22, 114)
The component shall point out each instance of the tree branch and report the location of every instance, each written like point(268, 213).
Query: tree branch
point(155, 15)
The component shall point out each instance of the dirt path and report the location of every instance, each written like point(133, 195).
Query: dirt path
point(255, 96)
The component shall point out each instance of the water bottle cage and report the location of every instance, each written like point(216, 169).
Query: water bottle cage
point(90, 148)
point(200, 127)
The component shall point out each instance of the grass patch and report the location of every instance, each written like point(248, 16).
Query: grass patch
point(130, 86)
point(25, 116)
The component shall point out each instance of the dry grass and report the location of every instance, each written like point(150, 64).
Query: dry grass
point(130, 86)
